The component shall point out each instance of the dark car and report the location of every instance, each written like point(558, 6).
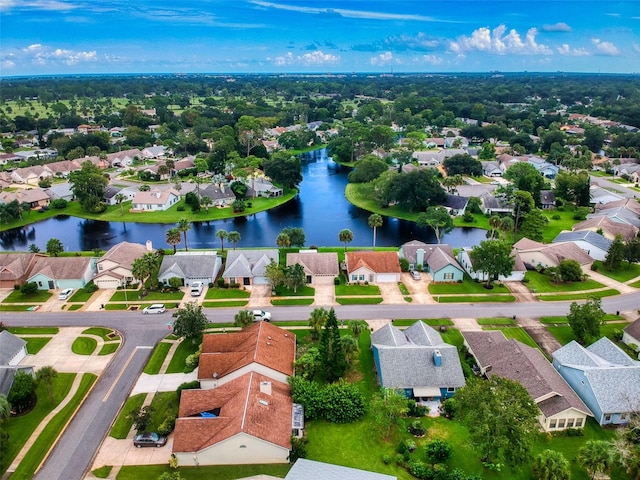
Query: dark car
point(149, 440)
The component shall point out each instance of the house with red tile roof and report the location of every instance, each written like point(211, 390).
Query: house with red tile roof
point(261, 347)
point(373, 267)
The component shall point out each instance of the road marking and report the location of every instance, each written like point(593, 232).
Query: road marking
point(106, 397)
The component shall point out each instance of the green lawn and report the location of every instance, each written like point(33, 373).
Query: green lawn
point(109, 348)
point(476, 298)
point(540, 283)
point(84, 346)
point(157, 358)
point(517, 333)
point(73, 308)
point(53, 429)
point(81, 295)
point(102, 472)
point(565, 222)
point(164, 404)
point(479, 221)
point(608, 317)
point(496, 321)
point(304, 291)
point(564, 334)
point(186, 348)
point(220, 293)
point(358, 300)
point(122, 425)
point(578, 296)
point(102, 333)
point(292, 301)
point(622, 274)
point(228, 303)
point(17, 297)
point(359, 194)
point(35, 344)
point(218, 472)
point(116, 306)
point(467, 286)
point(342, 290)
point(131, 295)
point(34, 330)
point(434, 322)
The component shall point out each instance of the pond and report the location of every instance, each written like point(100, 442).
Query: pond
point(321, 209)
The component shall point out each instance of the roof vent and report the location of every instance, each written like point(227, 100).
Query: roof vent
point(437, 358)
point(286, 334)
point(269, 338)
point(268, 343)
point(263, 402)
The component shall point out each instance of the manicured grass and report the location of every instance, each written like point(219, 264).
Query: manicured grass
point(496, 321)
point(479, 221)
point(554, 227)
point(16, 308)
point(434, 322)
point(229, 303)
point(540, 283)
point(109, 348)
point(564, 334)
point(359, 194)
point(624, 273)
point(164, 404)
point(17, 297)
point(342, 290)
point(292, 301)
point(467, 286)
point(358, 300)
point(84, 346)
point(34, 330)
point(608, 317)
point(35, 344)
point(157, 358)
point(54, 427)
point(73, 308)
point(635, 284)
point(186, 348)
point(122, 425)
point(219, 472)
point(116, 306)
point(517, 333)
point(119, 296)
point(102, 472)
point(101, 332)
point(81, 295)
point(579, 296)
point(303, 291)
point(403, 288)
point(476, 298)
point(21, 428)
point(216, 293)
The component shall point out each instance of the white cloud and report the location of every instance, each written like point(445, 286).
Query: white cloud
point(497, 41)
point(565, 49)
point(39, 54)
point(6, 5)
point(8, 64)
point(382, 59)
point(317, 57)
point(557, 27)
point(433, 59)
point(605, 48)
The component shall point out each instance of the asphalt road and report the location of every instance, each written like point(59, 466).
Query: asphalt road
point(72, 456)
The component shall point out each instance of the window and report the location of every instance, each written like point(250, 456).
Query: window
point(561, 423)
point(371, 278)
point(451, 389)
point(448, 276)
point(570, 422)
point(40, 284)
point(552, 423)
point(361, 278)
point(624, 416)
point(607, 417)
point(354, 278)
point(578, 422)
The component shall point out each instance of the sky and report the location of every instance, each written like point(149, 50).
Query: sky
point(45, 37)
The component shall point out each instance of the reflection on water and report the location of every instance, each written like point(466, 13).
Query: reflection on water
point(321, 209)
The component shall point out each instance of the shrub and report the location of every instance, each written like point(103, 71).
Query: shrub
point(467, 217)
point(343, 402)
point(407, 446)
point(234, 285)
point(59, 203)
point(211, 284)
point(555, 217)
point(90, 287)
point(617, 335)
point(438, 451)
point(415, 409)
point(417, 429)
point(386, 459)
point(336, 280)
point(404, 264)
point(29, 288)
point(421, 471)
point(221, 283)
point(192, 361)
point(298, 449)
point(193, 385)
point(167, 425)
point(449, 408)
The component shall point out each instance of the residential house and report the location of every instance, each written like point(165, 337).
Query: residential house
point(60, 190)
point(432, 158)
point(246, 421)
point(318, 267)
point(43, 154)
point(15, 268)
point(373, 267)
point(517, 274)
point(64, 168)
point(262, 348)
point(416, 361)
point(157, 151)
point(631, 204)
point(62, 272)
point(436, 259)
point(31, 175)
point(154, 200)
point(183, 164)
point(124, 158)
point(305, 469)
point(491, 205)
point(594, 244)
point(455, 204)
point(627, 170)
point(6, 158)
point(220, 195)
point(13, 350)
point(262, 187)
point(248, 267)
point(491, 169)
point(619, 215)
point(631, 336)
point(547, 199)
point(536, 255)
point(114, 267)
point(35, 197)
point(560, 407)
point(190, 267)
point(5, 180)
point(609, 227)
point(601, 196)
point(604, 377)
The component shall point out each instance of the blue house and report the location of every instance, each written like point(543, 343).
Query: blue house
point(416, 361)
point(437, 260)
point(604, 377)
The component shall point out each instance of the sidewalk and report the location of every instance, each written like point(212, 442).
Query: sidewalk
point(609, 282)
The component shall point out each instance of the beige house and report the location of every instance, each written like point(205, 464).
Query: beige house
point(631, 336)
point(114, 268)
point(31, 175)
point(35, 197)
point(124, 158)
point(560, 407)
point(317, 266)
point(15, 268)
point(537, 255)
point(154, 200)
point(609, 228)
point(261, 347)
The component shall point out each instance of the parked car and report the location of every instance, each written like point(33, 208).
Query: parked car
point(196, 289)
point(150, 439)
point(155, 308)
point(415, 275)
point(64, 294)
point(261, 315)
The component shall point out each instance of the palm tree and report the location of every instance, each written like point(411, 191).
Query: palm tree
point(375, 221)
point(163, 170)
point(46, 375)
point(33, 248)
point(494, 222)
point(139, 269)
point(349, 346)
point(283, 240)
point(506, 225)
point(243, 319)
point(550, 465)
point(357, 327)
point(206, 202)
point(184, 226)
point(120, 197)
point(317, 319)
point(596, 456)
point(345, 236)
point(234, 237)
point(173, 237)
point(222, 234)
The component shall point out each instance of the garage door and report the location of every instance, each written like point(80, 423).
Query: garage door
point(107, 283)
point(387, 278)
point(260, 281)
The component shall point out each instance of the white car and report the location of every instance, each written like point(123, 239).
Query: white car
point(261, 315)
point(415, 275)
point(64, 294)
point(155, 308)
point(196, 289)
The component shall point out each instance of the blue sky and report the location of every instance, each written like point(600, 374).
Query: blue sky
point(280, 36)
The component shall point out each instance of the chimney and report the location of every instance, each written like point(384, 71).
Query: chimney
point(437, 358)
point(149, 246)
point(265, 387)
point(420, 256)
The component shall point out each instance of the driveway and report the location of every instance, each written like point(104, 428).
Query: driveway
point(418, 289)
point(325, 292)
point(391, 293)
point(260, 296)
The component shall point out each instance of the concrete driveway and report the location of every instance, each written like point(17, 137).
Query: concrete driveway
point(260, 296)
point(325, 292)
point(418, 289)
point(391, 293)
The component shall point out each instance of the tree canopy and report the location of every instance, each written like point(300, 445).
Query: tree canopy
point(88, 185)
point(189, 321)
point(492, 257)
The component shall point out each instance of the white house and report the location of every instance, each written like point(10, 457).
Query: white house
point(154, 200)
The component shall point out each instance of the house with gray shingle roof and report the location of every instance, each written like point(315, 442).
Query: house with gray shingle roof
point(13, 350)
point(62, 272)
point(609, 227)
point(466, 262)
point(316, 265)
point(631, 335)
point(248, 267)
point(619, 214)
point(220, 195)
point(594, 244)
point(560, 407)
point(190, 267)
point(604, 377)
point(417, 361)
point(436, 259)
point(305, 469)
